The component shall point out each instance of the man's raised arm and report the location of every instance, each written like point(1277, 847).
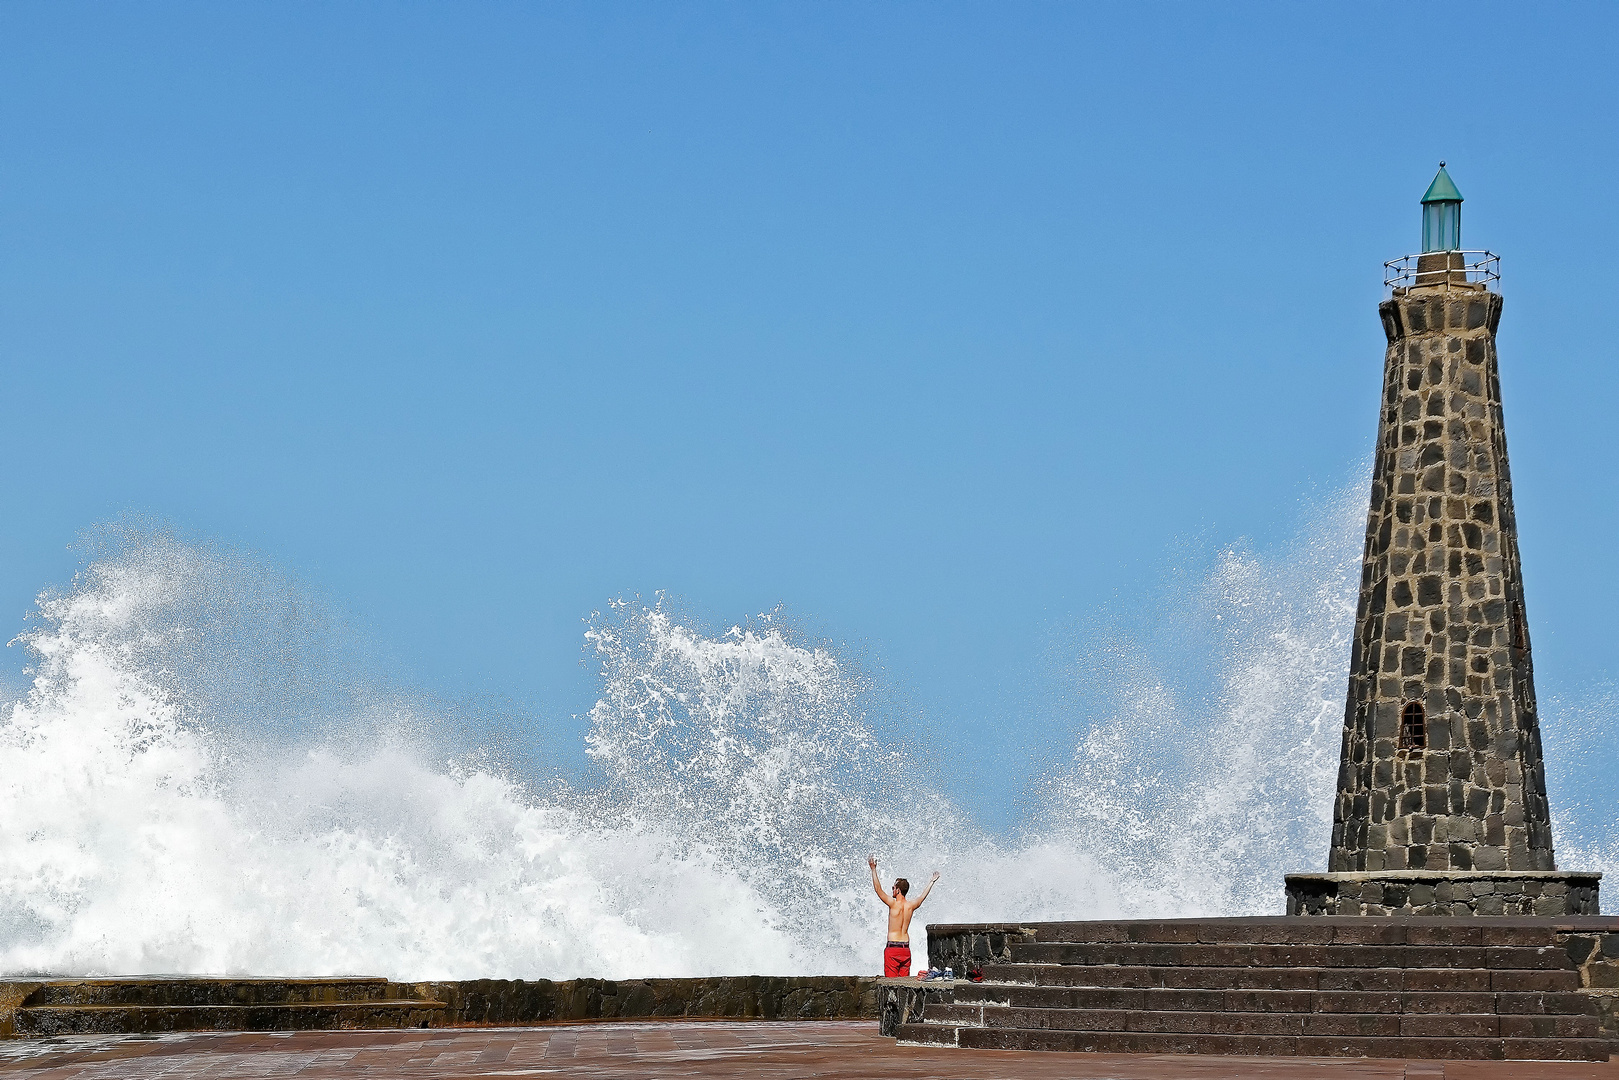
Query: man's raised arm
point(925, 890)
point(878, 885)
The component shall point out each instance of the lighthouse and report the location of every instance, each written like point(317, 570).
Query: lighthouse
point(1441, 803)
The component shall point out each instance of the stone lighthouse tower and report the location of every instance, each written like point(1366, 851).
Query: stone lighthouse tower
point(1441, 805)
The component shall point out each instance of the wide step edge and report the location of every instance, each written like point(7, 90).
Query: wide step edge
point(1332, 1025)
point(1113, 1042)
point(1214, 977)
point(1176, 999)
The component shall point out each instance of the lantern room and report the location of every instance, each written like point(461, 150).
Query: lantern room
point(1442, 215)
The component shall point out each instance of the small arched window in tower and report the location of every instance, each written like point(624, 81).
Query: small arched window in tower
point(1413, 727)
point(1520, 639)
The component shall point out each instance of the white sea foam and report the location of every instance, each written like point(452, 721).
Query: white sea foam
point(1581, 738)
point(205, 775)
point(1203, 791)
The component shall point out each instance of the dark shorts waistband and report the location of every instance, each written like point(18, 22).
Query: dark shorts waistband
point(899, 944)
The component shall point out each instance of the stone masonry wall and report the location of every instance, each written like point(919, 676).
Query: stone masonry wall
point(1443, 893)
point(966, 946)
point(1441, 618)
point(1597, 956)
point(171, 1004)
point(901, 1002)
point(741, 997)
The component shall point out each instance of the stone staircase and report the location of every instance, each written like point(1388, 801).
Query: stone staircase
point(139, 1005)
point(1319, 987)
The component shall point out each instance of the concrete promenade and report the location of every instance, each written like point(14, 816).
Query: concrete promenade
point(610, 1051)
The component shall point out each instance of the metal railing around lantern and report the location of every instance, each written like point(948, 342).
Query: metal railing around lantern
point(1460, 268)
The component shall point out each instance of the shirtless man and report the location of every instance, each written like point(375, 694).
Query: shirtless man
point(897, 954)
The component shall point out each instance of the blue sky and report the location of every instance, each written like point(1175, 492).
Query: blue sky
point(944, 326)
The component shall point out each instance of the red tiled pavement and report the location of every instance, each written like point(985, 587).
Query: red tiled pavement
point(619, 1051)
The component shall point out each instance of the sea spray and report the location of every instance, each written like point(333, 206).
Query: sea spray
point(206, 775)
point(757, 755)
point(143, 832)
point(1209, 770)
point(1581, 745)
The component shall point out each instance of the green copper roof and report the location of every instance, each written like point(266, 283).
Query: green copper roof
point(1442, 189)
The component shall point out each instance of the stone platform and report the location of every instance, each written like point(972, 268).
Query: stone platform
point(759, 1050)
point(1551, 893)
point(184, 1003)
point(1396, 986)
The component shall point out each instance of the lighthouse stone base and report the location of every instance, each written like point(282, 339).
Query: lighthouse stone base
point(1444, 892)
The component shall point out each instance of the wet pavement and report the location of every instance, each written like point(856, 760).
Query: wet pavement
point(610, 1051)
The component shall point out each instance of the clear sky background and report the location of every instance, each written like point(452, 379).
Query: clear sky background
point(944, 325)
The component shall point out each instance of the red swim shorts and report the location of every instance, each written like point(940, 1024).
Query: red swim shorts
point(897, 960)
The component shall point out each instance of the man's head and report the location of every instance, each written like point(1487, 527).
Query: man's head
point(901, 887)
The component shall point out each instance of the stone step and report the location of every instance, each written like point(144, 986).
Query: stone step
point(1136, 954)
point(1158, 1042)
point(1388, 987)
point(1301, 978)
point(1386, 1025)
point(1566, 1003)
point(141, 1019)
point(1283, 930)
point(221, 991)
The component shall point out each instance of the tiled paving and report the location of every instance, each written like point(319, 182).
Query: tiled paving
point(619, 1051)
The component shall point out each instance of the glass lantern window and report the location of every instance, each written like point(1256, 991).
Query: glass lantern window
point(1441, 226)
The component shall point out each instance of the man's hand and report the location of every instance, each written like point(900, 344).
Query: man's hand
point(877, 886)
point(925, 890)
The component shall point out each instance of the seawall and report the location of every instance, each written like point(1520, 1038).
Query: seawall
point(735, 997)
point(45, 1006)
